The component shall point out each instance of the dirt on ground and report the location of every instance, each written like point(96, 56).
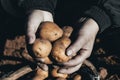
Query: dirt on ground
point(16, 55)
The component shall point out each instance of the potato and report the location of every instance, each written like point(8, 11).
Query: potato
point(56, 74)
point(40, 74)
point(58, 50)
point(60, 45)
point(67, 31)
point(77, 77)
point(50, 31)
point(41, 48)
point(37, 78)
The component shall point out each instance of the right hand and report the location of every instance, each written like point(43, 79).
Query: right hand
point(83, 46)
point(34, 19)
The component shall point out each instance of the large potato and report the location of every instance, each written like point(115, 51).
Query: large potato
point(58, 50)
point(41, 48)
point(60, 45)
point(50, 31)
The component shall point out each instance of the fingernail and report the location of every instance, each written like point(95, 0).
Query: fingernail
point(40, 59)
point(69, 52)
point(43, 66)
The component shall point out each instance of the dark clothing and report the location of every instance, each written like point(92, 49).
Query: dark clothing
point(18, 7)
point(105, 12)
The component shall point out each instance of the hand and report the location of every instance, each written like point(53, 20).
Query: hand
point(82, 47)
point(34, 20)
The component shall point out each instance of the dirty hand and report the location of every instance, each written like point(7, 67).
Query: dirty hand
point(34, 19)
point(82, 46)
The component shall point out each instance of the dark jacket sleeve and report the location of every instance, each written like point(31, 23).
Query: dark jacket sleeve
point(47, 5)
point(106, 13)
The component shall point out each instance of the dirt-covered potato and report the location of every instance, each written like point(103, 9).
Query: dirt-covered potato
point(60, 45)
point(58, 50)
point(37, 78)
point(56, 74)
point(67, 31)
point(41, 48)
point(50, 31)
point(77, 77)
point(40, 74)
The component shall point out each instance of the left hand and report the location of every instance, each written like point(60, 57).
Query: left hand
point(83, 46)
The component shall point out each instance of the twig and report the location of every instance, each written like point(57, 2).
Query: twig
point(91, 66)
point(17, 74)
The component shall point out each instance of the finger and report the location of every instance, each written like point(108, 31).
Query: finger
point(75, 47)
point(34, 21)
point(79, 58)
point(31, 37)
point(70, 70)
point(40, 60)
point(43, 66)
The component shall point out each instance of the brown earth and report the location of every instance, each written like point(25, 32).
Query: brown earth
point(15, 54)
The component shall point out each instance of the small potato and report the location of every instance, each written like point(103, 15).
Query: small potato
point(50, 31)
point(58, 50)
point(41, 48)
point(56, 74)
point(67, 31)
point(41, 73)
point(45, 60)
point(77, 77)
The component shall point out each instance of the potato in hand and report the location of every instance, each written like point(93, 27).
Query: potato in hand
point(55, 73)
point(60, 46)
point(41, 48)
point(50, 31)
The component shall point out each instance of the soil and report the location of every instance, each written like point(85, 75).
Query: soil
point(15, 56)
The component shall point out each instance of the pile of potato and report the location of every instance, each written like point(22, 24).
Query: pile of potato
point(50, 47)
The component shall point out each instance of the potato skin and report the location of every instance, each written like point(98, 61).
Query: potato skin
point(60, 45)
point(67, 31)
point(77, 77)
point(58, 50)
point(56, 74)
point(50, 31)
point(41, 48)
point(40, 74)
point(45, 60)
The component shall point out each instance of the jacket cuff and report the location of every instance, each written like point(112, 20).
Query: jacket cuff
point(102, 19)
point(45, 5)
